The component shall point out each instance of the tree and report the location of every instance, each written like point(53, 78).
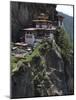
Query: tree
point(62, 40)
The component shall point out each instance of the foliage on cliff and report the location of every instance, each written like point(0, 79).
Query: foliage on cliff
point(63, 41)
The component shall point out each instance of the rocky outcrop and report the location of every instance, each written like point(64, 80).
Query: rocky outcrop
point(55, 65)
point(21, 83)
point(48, 73)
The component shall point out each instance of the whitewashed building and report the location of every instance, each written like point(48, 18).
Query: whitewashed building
point(29, 38)
point(60, 20)
point(29, 35)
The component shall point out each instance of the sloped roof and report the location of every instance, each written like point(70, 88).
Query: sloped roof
point(35, 29)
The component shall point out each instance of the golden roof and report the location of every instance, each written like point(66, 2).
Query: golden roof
point(42, 21)
point(42, 16)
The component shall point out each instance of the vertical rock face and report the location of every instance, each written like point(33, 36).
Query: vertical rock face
point(55, 65)
point(69, 72)
point(21, 83)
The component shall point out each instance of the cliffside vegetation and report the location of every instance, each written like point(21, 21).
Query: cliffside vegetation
point(50, 70)
point(63, 41)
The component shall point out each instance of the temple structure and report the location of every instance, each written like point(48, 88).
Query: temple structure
point(43, 28)
point(60, 20)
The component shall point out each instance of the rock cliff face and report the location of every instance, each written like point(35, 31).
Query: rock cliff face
point(69, 72)
point(46, 74)
point(22, 82)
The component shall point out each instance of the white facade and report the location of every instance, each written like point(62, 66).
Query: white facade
point(51, 36)
point(44, 26)
point(60, 23)
point(37, 26)
point(29, 38)
point(41, 26)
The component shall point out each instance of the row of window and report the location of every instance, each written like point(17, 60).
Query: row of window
point(29, 35)
point(43, 26)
